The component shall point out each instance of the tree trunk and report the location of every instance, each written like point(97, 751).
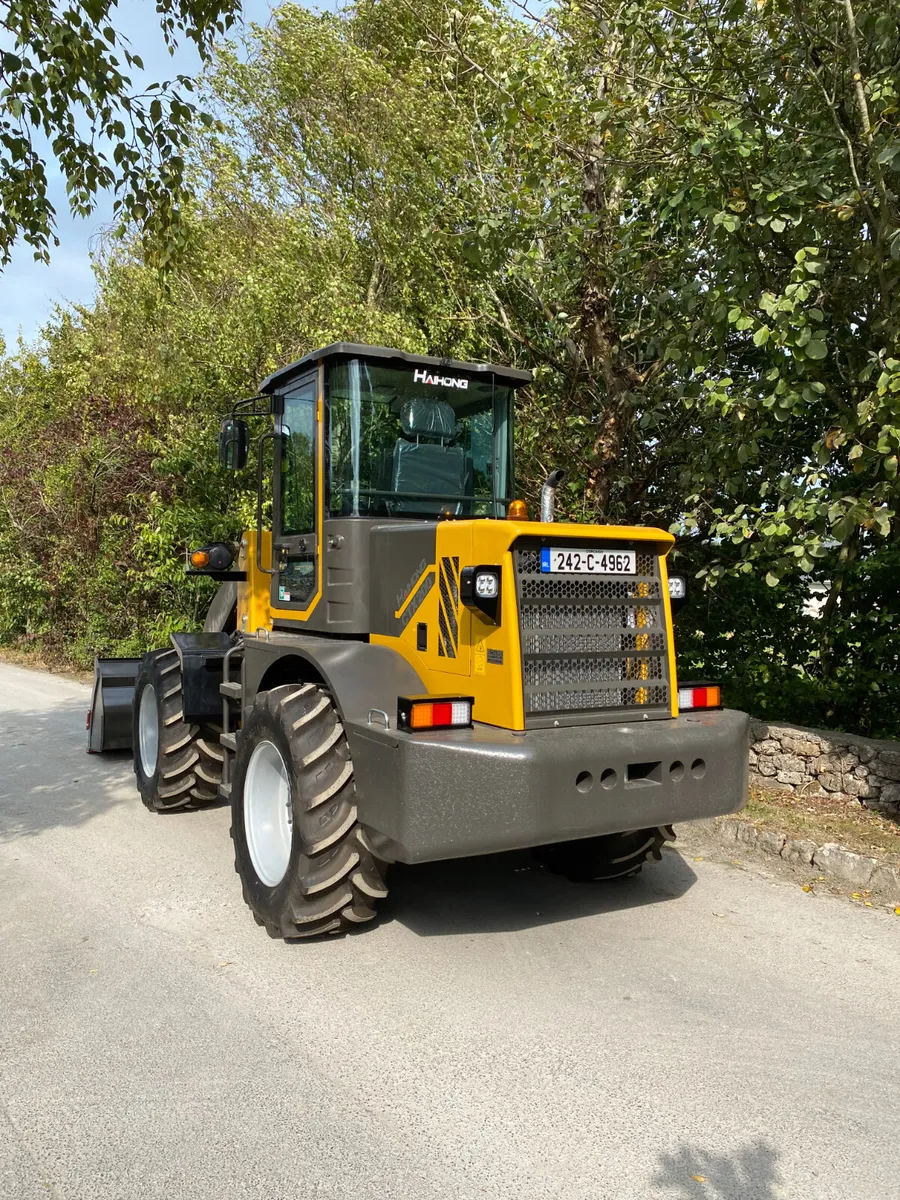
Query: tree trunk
point(604, 360)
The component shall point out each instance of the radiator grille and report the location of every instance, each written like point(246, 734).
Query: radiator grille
point(592, 644)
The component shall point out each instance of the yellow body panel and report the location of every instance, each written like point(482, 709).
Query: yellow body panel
point(466, 653)
point(495, 679)
point(670, 633)
point(452, 631)
point(254, 608)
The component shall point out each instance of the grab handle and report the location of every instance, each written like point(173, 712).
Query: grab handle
point(266, 437)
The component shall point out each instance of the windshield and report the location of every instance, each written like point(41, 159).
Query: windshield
point(411, 441)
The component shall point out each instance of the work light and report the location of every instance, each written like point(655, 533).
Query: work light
point(487, 585)
point(479, 589)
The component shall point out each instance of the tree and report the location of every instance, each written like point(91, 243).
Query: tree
point(684, 223)
point(687, 226)
point(63, 78)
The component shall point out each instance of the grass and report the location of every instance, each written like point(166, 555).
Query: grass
point(824, 819)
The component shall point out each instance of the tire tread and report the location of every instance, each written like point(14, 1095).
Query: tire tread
point(189, 768)
point(337, 877)
point(614, 856)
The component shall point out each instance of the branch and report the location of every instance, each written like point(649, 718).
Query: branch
point(862, 103)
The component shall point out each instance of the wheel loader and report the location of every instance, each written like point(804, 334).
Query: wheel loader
point(406, 667)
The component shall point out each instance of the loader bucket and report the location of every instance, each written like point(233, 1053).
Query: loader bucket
point(109, 717)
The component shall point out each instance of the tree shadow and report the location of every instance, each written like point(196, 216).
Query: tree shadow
point(506, 892)
point(751, 1174)
point(47, 778)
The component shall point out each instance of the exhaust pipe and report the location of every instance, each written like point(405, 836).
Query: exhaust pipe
point(548, 495)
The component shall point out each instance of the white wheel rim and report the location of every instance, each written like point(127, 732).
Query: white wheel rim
point(268, 818)
point(148, 731)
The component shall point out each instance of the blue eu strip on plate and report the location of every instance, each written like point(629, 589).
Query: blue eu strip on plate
point(545, 560)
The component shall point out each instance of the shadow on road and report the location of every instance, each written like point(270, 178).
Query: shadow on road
point(47, 779)
point(504, 892)
point(751, 1174)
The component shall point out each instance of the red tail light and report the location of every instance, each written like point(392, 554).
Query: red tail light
point(699, 695)
point(416, 713)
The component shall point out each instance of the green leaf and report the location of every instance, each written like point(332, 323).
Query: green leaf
point(761, 336)
point(882, 518)
point(816, 349)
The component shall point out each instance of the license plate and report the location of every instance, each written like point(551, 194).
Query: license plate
point(564, 560)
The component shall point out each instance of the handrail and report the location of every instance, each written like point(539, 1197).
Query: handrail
point(266, 437)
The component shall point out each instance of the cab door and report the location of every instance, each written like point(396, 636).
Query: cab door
point(296, 585)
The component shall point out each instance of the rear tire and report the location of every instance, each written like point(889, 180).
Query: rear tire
point(615, 856)
point(176, 764)
point(305, 864)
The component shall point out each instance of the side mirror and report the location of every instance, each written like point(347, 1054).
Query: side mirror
point(234, 443)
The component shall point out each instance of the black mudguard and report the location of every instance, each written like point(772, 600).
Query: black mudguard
point(112, 700)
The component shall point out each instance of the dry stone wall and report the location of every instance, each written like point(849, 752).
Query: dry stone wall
point(817, 762)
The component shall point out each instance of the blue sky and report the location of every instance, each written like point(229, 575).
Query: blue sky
point(29, 290)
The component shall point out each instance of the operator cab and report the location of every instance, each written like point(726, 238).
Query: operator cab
point(367, 437)
point(410, 441)
point(405, 436)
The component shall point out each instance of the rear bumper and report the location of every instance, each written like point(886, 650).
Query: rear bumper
point(474, 791)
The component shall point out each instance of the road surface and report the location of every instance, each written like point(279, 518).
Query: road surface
point(699, 1032)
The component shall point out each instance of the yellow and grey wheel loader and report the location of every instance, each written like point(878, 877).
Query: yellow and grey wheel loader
point(405, 667)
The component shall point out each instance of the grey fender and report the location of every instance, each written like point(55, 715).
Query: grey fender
point(361, 677)
point(220, 613)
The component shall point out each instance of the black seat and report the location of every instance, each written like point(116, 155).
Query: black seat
point(426, 461)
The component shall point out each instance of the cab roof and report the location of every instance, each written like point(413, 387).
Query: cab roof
point(336, 350)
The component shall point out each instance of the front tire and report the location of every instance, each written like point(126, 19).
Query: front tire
point(615, 856)
point(305, 864)
point(176, 764)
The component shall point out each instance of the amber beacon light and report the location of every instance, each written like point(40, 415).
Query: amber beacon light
point(517, 511)
point(216, 556)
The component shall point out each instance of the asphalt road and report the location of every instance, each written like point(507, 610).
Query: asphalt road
point(499, 1033)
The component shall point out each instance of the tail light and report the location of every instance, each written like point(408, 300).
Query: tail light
point(418, 713)
point(692, 696)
